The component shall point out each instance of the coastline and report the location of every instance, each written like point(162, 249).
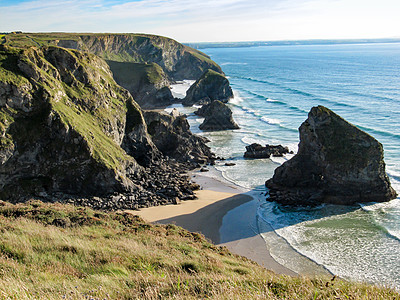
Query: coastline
point(227, 215)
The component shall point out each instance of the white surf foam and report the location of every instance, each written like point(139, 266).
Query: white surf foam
point(271, 121)
point(179, 89)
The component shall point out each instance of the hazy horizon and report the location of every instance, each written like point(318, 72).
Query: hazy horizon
point(209, 21)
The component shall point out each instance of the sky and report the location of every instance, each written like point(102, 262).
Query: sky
point(209, 20)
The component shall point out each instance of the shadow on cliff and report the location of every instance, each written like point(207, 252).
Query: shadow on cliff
point(242, 221)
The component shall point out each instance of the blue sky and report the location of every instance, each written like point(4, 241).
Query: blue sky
point(209, 20)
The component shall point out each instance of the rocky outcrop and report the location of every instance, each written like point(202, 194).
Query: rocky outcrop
point(172, 136)
point(68, 130)
point(217, 116)
point(178, 61)
point(209, 87)
point(144, 64)
point(147, 83)
point(257, 151)
point(336, 163)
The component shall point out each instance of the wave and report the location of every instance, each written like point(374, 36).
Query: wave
point(232, 63)
point(274, 101)
point(393, 174)
point(271, 121)
point(299, 92)
point(236, 98)
point(380, 132)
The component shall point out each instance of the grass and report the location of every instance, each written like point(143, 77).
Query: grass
point(79, 105)
point(129, 73)
point(55, 251)
point(123, 53)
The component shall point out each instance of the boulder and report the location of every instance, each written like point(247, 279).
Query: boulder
point(257, 151)
point(217, 116)
point(336, 163)
point(210, 86)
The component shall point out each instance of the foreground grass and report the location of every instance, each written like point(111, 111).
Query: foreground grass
point(54, 251)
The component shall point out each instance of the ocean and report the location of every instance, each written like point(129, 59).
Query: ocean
point(275, 88)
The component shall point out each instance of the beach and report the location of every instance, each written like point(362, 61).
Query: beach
point(206, 215)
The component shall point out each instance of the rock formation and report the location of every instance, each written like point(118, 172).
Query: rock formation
point(172, 136)
point(257, 151)
point(147, 83)
point(210, 86)
point(144, 64)
point(68, 130)
point(336, 163)
point(217, 116)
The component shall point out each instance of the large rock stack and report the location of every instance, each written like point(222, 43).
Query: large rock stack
point(336, 163)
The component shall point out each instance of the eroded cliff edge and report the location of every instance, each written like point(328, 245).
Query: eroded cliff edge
point(144, 64)
point(336, 163)
point(68, 128)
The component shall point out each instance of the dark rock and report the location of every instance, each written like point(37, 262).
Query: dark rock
point(204, 170)
point(218, 116)
point(230, 164)
point(71, 134)
point(257, 151)
point(210, 86)
point(336, 163)
point(172, 136)
point(147, 83)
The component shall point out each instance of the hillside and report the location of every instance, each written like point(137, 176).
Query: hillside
point(178, 61)
point(144, 64)
point(54, 251)
point(67, 127)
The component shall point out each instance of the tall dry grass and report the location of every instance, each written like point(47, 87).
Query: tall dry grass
point(54, 251)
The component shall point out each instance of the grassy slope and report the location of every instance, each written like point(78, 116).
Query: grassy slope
point(128, 73)
point(45, 39)
point(54, 251)
point(88, 122)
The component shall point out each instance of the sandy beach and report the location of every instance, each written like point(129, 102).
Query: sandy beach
point(206, 215)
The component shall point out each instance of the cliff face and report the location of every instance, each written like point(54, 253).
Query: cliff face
point(63, 119)
point(153, 61)
point(172, 136)
point(147, 83)
point(336, 163)
point(67, 127)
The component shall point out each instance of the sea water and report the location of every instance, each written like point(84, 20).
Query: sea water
point(275, 88)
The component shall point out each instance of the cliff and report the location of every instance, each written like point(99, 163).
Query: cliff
point(336, 163)
point(153, 61)
point(68, 127)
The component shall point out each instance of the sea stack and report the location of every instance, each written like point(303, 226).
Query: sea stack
point(217, 116)
point(336, 163)
point(210, 86)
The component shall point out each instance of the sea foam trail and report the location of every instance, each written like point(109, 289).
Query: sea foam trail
point(179, 89)
point(298, 92)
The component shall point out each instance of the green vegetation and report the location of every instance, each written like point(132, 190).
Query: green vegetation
point(127, 47)
point(344, 143)
point(80, 102)
point(138, 74)
point(55, 251)
point(9, 71)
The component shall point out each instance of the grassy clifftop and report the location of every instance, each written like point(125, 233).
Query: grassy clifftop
point(54, 251)
point(177, 60)
point(61, 109)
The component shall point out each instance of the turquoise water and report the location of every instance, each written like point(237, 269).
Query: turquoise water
point(275, 87)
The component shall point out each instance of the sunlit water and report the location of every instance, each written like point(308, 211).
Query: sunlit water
point(275, 87)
